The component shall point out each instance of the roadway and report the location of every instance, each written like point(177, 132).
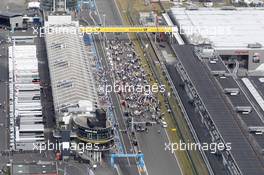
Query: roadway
point(152, 143)
point(202, 133)
point(129, 166)
point(46, 92)
point(4, 121)
point(220, 112)
point(158, 160)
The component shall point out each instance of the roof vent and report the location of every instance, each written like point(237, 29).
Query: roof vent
point(244, 109)
point(231, 91)
point(256, 129)
point(254, 45)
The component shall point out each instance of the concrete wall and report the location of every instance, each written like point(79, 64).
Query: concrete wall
point(16, 22)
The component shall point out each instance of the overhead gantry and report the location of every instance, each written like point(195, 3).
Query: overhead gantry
point(134, 29)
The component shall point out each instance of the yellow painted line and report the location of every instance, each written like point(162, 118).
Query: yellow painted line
point(159, 29)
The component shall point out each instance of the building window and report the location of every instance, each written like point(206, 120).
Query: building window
point(60, 63)
point(64, 84)
point(256, 58)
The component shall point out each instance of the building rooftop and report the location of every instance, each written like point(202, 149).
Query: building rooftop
point(94, 121)
point(24, 86)
point(70, 69)
point(34, 169)
point(9, 14)
point(234, 29)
